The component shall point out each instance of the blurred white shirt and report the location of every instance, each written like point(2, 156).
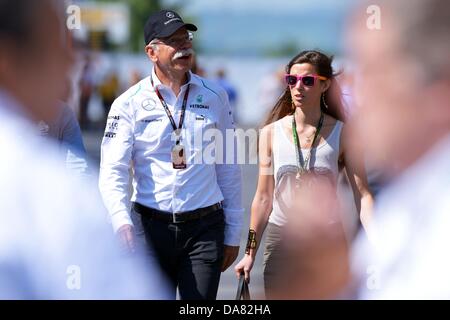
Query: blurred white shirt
point(410, 258)
point(55, 242)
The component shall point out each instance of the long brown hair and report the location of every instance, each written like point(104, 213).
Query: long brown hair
point(333, 96)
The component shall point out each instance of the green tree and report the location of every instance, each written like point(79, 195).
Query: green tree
point(139, 12)
point(286, 49)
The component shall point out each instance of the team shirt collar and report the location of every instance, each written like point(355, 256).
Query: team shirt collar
point(193, 79)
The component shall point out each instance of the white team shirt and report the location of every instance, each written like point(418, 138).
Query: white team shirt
point(138, 130)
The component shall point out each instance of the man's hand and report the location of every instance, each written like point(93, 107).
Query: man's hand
point(229, 255)
point(126, 237)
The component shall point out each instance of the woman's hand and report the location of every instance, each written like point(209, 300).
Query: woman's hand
point(245, 265)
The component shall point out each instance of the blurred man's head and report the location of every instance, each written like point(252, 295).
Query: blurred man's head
point(34, 56)
point(221, 74)
point(404, 80)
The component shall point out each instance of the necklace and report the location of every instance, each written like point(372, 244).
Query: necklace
point(308, 139)
point(302, 164)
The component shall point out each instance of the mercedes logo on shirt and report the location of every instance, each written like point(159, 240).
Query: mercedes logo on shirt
point(148, 104)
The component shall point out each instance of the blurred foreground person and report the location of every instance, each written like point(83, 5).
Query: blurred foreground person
point(54, 242)
point(404, 120)
point(303, 134)
point(314, 250)
point(66, 132)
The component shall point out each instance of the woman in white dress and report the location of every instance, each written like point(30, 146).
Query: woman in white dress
point(302, 147)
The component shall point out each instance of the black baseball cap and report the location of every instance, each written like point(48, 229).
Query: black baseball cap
point(164, 23)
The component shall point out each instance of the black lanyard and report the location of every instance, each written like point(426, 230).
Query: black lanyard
point(166, 108)
point(304, 166)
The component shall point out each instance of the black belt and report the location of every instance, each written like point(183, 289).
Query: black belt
point(177, 217)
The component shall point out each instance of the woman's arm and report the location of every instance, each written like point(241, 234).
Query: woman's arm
point(262, 201)
point(353, 157)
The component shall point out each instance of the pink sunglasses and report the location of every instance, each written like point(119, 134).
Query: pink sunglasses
point(309, 80)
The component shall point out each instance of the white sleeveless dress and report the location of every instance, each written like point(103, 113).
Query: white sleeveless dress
point(324, 159)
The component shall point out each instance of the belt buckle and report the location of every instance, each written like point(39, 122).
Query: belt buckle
point(175, 219)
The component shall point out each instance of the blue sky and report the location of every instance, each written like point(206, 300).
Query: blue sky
point(272, 6)
point(261, 27)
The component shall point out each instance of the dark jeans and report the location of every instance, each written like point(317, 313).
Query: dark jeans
point(190, 253)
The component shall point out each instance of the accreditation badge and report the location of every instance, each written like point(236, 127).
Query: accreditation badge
point(178, 157)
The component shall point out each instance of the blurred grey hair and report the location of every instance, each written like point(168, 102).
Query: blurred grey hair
point(424, 26)
point(16, 20)
point(19, 17)
point(153, 44)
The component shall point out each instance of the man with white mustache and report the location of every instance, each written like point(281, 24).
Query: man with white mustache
point(189, 211)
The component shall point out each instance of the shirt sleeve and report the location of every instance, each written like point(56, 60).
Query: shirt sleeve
point(116, 150)
point(229, 176)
